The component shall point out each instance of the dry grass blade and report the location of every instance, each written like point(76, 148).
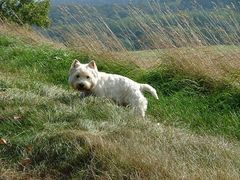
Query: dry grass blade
point(3, 141)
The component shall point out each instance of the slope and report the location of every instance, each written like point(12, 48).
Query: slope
point(192, 132)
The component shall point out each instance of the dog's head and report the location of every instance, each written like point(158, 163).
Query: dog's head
point(83, 77)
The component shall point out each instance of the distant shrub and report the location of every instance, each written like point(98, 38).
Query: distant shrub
point(26, 11)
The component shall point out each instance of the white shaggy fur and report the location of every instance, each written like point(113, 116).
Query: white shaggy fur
point(87, 79)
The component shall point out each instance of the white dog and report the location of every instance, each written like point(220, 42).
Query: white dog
point(87, 79)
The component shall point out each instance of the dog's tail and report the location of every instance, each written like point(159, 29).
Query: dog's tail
point(148, 88)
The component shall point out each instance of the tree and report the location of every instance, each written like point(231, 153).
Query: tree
point(33, 12)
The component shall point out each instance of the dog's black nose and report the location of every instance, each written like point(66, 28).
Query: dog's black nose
point(81, 85)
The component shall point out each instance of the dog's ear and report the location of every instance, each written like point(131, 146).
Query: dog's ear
point(75, 64)
point(92, 64)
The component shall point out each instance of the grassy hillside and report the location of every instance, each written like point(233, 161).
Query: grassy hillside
point(193, 131)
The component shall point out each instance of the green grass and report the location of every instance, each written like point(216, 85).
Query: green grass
point(44, 120)
point(196, 103)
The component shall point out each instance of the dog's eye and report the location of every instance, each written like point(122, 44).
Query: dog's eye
point(87, 77)
point(77, 76)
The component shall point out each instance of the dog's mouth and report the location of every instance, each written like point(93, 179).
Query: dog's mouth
point(83, 89)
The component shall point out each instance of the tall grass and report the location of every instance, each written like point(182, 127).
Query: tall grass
point(161, 26)
point(201, 41)
point(27, 34)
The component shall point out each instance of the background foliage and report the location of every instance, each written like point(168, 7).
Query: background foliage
point(26, 11)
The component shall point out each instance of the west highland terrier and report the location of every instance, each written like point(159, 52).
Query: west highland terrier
point(89, 81)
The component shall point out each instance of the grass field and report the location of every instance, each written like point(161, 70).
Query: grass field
point(192, 132)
